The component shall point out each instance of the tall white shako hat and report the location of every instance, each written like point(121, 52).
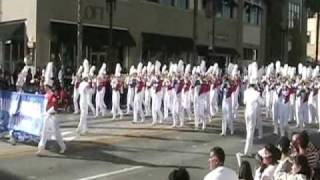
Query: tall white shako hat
point(79, 71)
point(48, 75)
point(22, 76)
point(180, 67)
point(253, 76)
point(157, 68)
point(203, 68)
point(92, 70)
point(132, 70)
point(164, 69)
point(102, 70)
point(139, 69)
point(118, 69)
point(86, 68)
point(187, 70)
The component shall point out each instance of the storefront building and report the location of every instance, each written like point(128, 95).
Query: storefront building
point(143, 30)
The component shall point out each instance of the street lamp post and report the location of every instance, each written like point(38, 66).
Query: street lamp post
point(110, 6)
point(79, 34)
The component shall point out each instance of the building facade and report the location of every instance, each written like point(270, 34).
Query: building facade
point(143, 30)
point(312, 35)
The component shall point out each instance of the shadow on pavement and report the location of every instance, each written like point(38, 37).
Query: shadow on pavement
point(5, 175)
point(92, 151)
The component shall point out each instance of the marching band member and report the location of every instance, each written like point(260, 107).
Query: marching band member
point(76, 82)
point(156, 94)
point(251, 100)
point(84, 91)
point(168, 91)
point(196, 91)
point(50, 121)
point(227, 119)
point(203, 101)
point(284, 97)
point(147, 91)
point(101, 90)
point(138, 95)
point(117, 88)
point(186, 92)
point(91, 89)
point(214, 91)
point(312, 104)
point(302, 105)
point(177, 84)
point(131, 82)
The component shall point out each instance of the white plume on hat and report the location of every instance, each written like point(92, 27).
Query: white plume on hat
point(210, 70)
point(149, 66)
point(118, 70)
point(174, 68)
point(102, 70)
point(203, 67)
point(215, 69)
point(194, 69)
point(304, 73)
point(278, 67)
point(300, 68)
point(144, 70)
point(187, 69)
point(157, 67)
point(230, 68)
point(92, 69)
point(139, 68)
point(234, 70)
point(48, 77)
point(79, 71)
point(315, 72)
point(164, 69)
point(253, 76)
point(132, 70)
point(180, 67)
point(86, 68)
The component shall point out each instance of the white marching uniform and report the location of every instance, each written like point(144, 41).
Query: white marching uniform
point(147, 97)
point(138, 101)
point(301, 106)
point(76, 94)
point(312, 106)
point(116, 89)
point(251, 100)
point(100, 92)
point(284, 106)
point(214, 94)
point(203, 108)
point(83, 90)
point(177, 110)
point(91, 91)
point(186, 98)
point(167, 98)
point(156, 96)
point(130, 94)
point(227, 110)
point(50, 123)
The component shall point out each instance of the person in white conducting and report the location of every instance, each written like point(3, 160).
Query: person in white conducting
point(218, 170)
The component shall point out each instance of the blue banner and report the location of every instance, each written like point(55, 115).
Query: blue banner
point(23, 114)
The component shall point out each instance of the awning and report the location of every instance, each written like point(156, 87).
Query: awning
point(165, 42)
point(14, 30)
point(95, 36)
point(203, 50)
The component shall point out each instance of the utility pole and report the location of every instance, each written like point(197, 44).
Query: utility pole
point(195, 33)
point(214, 13)
point(79, 34)
point(317, 40)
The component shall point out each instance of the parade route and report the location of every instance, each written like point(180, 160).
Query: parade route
point(117, 150)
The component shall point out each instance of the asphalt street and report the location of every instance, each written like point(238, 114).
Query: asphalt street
point(120, 150)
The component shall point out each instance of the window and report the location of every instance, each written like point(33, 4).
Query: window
point(184, 4)
point(250, 54)
point(294, 14)
point(252, 14)
point(225, 8)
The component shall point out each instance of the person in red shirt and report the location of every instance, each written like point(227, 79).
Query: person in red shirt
point(51, 110)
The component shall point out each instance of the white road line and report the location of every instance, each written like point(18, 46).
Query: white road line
point(66, 133)
point(111, 173)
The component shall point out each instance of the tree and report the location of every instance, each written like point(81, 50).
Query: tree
point(314, 8)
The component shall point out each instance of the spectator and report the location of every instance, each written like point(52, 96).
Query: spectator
point(300, 170)
point(216, 164)
point(269, 157)
point(285, 162)
point(179, 174)
point(304, 147)
point(245, 172)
